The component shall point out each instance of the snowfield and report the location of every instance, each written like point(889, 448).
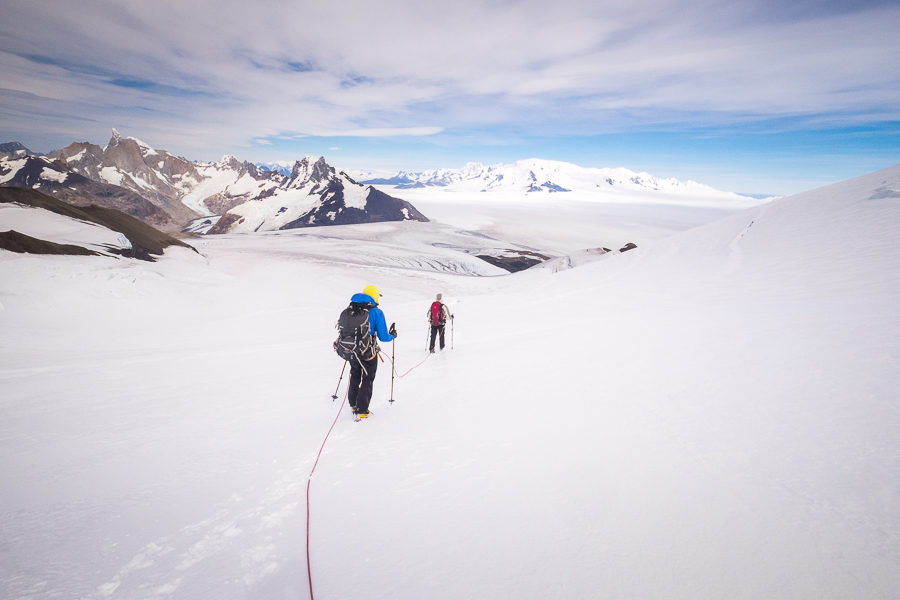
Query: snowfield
point(711, 415)
point(543, 176)
point(49, 226)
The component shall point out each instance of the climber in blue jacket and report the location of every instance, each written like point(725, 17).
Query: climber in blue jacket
point(362, 372)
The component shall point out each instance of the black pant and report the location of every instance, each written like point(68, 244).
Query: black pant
point(435, 329)
point(362, 376)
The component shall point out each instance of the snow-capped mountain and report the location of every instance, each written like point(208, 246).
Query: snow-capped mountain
point(194, 194)
point(235, 195)
point(315, 194)
point(14, 150)
point(53, 178)
point(548, 176)
point(182, 188)
point(283, 167)
point(219, 186)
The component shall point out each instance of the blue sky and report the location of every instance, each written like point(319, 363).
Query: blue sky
point(754, 97)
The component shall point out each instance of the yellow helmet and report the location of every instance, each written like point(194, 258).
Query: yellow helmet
point(371, 291)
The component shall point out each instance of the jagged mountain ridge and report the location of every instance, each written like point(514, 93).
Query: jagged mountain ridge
point(315, 194)
point(54, 179)
point(183, 188)
point(193, 195)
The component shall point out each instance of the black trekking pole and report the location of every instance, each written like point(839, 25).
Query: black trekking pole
point(334, 395)
point(393, 370)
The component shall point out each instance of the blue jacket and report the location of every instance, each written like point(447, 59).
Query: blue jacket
point(376, 317)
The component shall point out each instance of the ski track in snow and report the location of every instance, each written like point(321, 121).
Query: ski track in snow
point(228, 528)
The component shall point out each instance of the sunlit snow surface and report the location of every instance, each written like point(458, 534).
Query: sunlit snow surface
point(712, 415)
point(45, 225)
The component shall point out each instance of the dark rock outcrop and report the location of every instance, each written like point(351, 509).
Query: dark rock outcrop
point(25, 244)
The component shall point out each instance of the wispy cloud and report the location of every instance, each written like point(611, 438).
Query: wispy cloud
point(215, 74)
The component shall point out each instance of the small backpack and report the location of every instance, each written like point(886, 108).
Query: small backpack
point(437, 313)
point(355, 340)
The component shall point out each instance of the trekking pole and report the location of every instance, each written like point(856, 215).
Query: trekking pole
point(451, 332)
point(334, 395)
point(393, 370)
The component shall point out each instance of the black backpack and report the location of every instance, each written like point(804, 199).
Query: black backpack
point(354, 338)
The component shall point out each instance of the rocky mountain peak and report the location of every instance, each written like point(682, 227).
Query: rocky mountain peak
point(15, 149)
point(229, 161)
point(82, 157)
point(125, 154)
point(321, 170)
point(306, 171)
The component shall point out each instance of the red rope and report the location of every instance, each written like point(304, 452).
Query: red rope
point(399, 376)
point(319, 455)
point(308, 482)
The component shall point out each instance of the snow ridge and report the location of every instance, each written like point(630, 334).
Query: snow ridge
point(549, 176)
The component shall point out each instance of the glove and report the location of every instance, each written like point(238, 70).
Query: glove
point(393, 329)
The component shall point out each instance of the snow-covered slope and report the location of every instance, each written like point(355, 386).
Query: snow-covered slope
point(219, 186)
point(37, 223)
point(712, 415)
point(45, 225)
